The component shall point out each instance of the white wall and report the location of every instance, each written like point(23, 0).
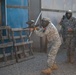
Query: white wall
point(60, 5)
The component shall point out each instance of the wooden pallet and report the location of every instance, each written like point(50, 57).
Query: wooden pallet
point(3, 45)
point(21, 52)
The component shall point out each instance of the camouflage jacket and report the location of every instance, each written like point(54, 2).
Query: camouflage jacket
point(51, 32)
point(71, 23)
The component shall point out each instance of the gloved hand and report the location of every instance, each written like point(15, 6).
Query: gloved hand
point(70, 29)
point(31, 29)
point(36, 28)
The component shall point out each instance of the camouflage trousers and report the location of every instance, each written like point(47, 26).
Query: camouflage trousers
point(70, 46)
point(53, 48)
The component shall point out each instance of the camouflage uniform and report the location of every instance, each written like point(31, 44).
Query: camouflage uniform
point(53, 39)
point(69, 36)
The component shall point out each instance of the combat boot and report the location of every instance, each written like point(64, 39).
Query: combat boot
point(54, 67)
point(71, 59)
point(47, 71)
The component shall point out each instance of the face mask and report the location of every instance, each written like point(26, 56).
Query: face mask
point(68, 15)
point(44, 23)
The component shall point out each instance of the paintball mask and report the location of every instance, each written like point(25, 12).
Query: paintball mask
point(68, 14)
point(44, 22)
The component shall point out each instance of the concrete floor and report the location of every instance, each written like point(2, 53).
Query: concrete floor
point(34, 66)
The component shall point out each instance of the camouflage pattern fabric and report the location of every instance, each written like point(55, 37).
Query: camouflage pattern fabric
point(53, 39)
point(65, 23)
point(70, 46)
point(69, 37)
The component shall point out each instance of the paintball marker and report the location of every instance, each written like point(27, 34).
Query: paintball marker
point(33, 24)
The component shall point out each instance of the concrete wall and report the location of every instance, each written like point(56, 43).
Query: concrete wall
point(55, 9)
point(34, 10)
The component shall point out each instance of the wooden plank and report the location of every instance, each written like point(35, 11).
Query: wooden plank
point(3, 64)
point(19, 52)
point(6, 54)
point(4, 27)
point(23, 43)
point(6, 37)
point(26, 58)
point(6, 45)
point(17, 37)
point(1, 55)
point(29, 42)
point(16, 29)
point(19, 29)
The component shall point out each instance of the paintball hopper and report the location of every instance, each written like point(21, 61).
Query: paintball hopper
point(30, 23)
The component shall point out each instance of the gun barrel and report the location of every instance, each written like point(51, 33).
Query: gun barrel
point(38, 18)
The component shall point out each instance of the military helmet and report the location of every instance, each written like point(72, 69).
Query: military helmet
point(68, 14)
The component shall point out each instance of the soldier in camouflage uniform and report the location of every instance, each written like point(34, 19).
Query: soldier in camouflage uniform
point(54, 42)
point(69, 27)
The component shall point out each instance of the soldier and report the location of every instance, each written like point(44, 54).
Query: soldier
point(69, 26)
point(54, 42)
